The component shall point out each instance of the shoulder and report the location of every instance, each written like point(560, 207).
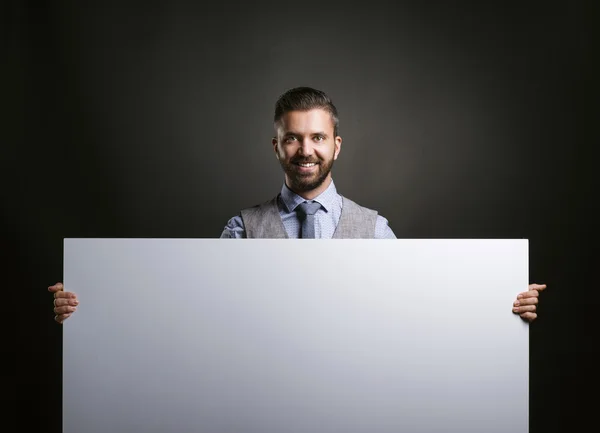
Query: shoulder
point(355, 207)
point(260, 209)
point(236, 226)
point(382, 227)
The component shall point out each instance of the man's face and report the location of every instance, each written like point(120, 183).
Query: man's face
point(306, 148)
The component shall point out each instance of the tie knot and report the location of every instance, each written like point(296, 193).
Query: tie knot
point(309, 207)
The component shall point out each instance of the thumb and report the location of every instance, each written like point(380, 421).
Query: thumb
point(56, 288)
point(538, 287)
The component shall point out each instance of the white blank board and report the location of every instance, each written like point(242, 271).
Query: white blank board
point(295, 336)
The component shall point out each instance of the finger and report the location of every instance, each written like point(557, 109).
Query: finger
point(524, 309)
point(60, 302)
point(529, 317)
point(61, 317)
point(538, 287)
point(65, 309)
point(57, 287)
point(65, 295)
point(530, 294)
point(526, 301)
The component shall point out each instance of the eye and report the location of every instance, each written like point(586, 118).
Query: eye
point(289, 139)
point(319, 138)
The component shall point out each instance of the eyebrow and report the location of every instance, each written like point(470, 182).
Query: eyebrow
point(312, 134)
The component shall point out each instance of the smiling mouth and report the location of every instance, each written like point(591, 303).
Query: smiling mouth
point(306, 164)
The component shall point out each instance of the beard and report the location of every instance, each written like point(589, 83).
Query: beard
point(303, 182)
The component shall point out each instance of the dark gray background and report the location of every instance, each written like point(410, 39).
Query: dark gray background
point(460, 119)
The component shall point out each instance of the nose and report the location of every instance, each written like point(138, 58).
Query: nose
point(306, 148)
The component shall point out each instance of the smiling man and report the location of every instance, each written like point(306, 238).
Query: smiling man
point(308, 206)
point(307, 144)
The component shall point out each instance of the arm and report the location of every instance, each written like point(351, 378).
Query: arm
point(526, 303)
point(382, 229)
point(234, 229)
point(65, 303)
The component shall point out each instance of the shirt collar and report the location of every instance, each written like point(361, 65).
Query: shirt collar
point(291, 200)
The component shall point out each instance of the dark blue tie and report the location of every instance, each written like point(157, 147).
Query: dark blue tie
point(306, 213)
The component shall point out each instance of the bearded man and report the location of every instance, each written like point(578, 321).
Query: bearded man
point(308, 206)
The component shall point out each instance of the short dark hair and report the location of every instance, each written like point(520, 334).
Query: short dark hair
point(304, 99)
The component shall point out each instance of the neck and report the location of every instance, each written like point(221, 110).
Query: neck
point(311, 194)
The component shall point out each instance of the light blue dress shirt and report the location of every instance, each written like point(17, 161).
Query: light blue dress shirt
point(326, 218)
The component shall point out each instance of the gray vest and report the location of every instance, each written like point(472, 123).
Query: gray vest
point(263, 221)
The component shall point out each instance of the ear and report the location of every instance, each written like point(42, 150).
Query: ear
point(338, 147)
point(274, 142)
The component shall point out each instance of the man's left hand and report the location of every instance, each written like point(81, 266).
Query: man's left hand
point(526, 303)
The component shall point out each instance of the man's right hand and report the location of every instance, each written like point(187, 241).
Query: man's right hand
point(65, 303)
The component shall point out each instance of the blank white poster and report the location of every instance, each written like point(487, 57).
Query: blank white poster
point(295, 336)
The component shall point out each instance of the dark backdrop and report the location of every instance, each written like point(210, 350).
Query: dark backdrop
point(460, 120)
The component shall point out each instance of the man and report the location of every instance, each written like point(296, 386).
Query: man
point(306, 144)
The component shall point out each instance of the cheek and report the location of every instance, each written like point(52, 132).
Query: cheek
point(327, 153)
point(280, 150)
point(290, 151)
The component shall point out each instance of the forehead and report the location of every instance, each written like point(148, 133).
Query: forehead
point(306, 122)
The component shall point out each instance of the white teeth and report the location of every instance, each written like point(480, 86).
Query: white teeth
point(307, 165)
